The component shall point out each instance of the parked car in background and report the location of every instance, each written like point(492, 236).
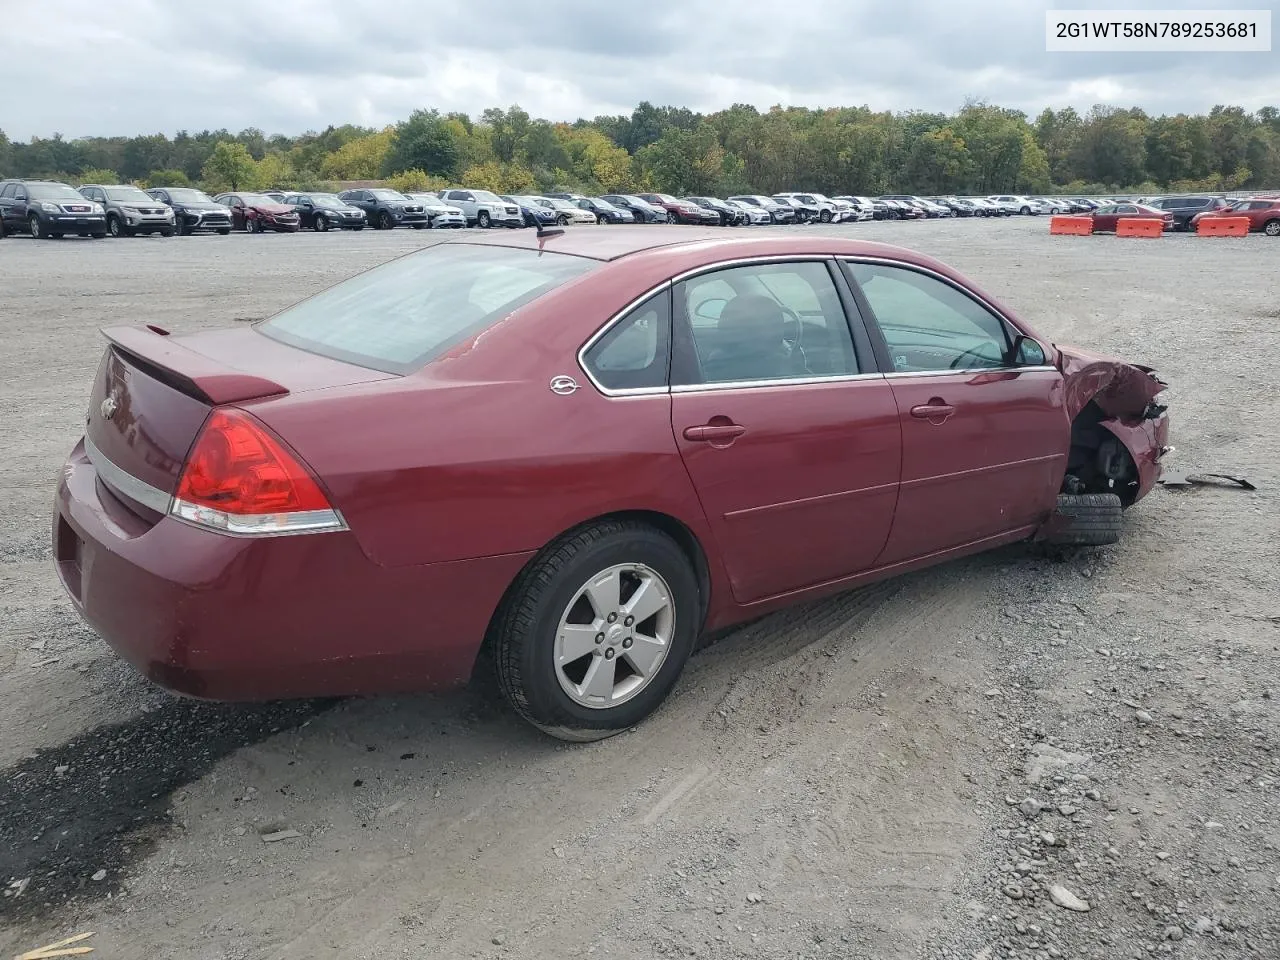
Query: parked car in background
point(604, 211)
point(679, 211)
point(810, 206)
point(1184, 208)
point(568, 212)
point(580, 454)
point(1085, 204)
point(1263, 214)
point(1105, 218)
point(386, 209)
point(533, 212)
point(642, 210)
point(483, 208)
point(276, 195)
point(258, 213)
point(48, 209)
point(322, 211)
point(729, 215)
point(849, 212)
point(876, 208)
point(440, 215)
point(756, 216)
point(1020, 204)
point(130, 211)
point(902, 210)
point(193, 210)
point(779, 212)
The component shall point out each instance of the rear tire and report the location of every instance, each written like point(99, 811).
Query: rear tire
point(550, 599)
point(1094, 519)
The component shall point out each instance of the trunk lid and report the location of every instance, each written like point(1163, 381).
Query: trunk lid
point(152, 394)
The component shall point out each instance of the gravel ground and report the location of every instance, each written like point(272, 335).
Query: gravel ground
point(1015, 755)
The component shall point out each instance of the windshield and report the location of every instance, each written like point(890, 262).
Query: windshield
point(388, 195)
point(427, 199)
point(604, 204)
point(484, 196)
point(53, 191)
point(328, 201)
point(189, 196)
point(255, 199)
point(127, 195)
point(400, 315)
point(557, 204)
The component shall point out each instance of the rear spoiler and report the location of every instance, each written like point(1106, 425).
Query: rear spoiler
point(184, 369)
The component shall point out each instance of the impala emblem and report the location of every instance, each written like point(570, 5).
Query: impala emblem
point(108, 408)
point(563, 385)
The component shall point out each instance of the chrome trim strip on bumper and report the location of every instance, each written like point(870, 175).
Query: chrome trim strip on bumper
point(151, 497)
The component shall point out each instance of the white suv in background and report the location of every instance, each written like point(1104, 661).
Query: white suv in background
point(483, 208)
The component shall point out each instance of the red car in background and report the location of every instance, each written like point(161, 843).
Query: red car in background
point(1263, 214)
point(681, 211)
point(579, 451)
point(1107, 216)
point(257, 213)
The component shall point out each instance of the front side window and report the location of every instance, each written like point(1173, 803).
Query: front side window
point(401, 315)
point(928, 324)
point(634, 353)
point(773, 321)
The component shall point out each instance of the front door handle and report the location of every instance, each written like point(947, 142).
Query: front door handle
point(933, 410)
point(715, 432)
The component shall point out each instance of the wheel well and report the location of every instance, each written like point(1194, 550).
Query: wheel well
point(1097, 461)
point(675, 529)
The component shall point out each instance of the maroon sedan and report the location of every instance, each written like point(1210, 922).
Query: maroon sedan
point(1107, 216)
point(681, 211)
point(1263, 214)
point(257, 213)
point(581, 451)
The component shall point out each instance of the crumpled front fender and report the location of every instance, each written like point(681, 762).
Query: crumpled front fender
point(1121, 390)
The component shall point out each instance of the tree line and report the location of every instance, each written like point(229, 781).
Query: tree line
point(980, 149)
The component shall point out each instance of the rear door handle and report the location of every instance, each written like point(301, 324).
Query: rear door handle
point(715, 432)
point(933, 411)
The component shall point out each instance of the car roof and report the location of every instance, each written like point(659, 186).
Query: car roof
point(695, 245)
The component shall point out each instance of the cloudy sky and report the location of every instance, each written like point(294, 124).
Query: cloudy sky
point(88, 67)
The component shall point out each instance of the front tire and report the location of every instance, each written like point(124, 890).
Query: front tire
point(1092, 519)
point(563, 220)
point(1271, 228)
point(386, 221)
point(320, 224)
point(594, 633)
point(482, 220)
point(33, 224)
point(115, 227)
point(825, 216)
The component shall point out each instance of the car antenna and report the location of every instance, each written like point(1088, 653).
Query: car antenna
point(544, 232)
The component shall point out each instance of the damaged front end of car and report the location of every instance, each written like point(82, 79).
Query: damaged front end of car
point(1119, 426)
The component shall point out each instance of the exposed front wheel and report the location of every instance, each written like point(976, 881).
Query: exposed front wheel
point(825, 216)
point(482, 220)
point(563, 220)
point(1087, 519)
point(595, 632)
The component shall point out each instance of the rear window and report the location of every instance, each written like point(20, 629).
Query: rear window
point(401, 315)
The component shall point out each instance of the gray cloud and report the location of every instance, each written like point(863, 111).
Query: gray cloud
point(82, 67)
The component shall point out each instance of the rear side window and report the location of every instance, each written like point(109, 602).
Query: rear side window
point(634, 353)
point(401, 315)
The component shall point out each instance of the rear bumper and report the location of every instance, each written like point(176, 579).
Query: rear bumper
point(237, 618)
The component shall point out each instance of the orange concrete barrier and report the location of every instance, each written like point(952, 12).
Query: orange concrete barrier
point(1222, 226)
point(1139, 227)
point(1071, 226)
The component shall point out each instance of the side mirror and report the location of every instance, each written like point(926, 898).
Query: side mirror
point(1027, 352)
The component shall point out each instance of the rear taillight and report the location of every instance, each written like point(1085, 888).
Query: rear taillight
point(240, 479)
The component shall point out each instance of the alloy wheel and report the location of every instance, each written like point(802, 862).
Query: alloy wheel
point(614, 635)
